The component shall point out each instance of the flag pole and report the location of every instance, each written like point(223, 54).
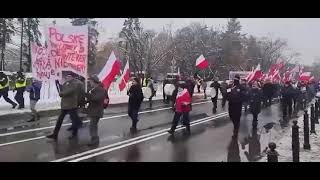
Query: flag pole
point(86, 70)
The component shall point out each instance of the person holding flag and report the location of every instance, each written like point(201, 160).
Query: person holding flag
point(182, 108)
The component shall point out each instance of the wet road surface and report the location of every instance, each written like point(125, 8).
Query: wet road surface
point(209, 140)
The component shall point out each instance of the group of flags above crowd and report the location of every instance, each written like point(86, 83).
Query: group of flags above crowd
point(291, 74)
point(113, 66)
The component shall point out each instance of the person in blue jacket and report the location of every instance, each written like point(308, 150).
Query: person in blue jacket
point(34, 94)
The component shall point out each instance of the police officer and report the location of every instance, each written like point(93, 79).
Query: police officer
point(21, 83)
point(235, 96)
point(287, 98)
point(255, 98)
point(214, 99)
point(4, 89)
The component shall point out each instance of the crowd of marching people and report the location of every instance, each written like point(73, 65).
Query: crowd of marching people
point(240, 95)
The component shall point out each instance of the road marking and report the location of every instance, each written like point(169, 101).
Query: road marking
point(21, 141)
point(111, 117)
point(141, 140)
point(132, 139)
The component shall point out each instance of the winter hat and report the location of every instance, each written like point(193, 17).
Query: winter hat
point(237, 77)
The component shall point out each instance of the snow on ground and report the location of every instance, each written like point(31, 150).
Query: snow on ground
point(284, 146)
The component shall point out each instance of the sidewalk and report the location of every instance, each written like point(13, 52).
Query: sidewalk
point(284, 144)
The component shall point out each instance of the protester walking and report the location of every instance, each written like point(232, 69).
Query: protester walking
point(34, 95)
point(135, 99)
point(95, 98)
point(69, 105)
point(182, 108)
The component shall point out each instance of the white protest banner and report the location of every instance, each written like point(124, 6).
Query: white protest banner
point(42, 68)
point(68, 49)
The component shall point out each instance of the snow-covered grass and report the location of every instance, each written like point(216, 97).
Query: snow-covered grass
point(284, 145)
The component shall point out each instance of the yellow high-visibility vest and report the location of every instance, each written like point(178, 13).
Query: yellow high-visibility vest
point(144, 82)
point(20, 85)
point(6, 85)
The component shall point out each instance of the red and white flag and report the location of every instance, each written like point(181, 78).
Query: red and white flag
point(201, 62)
point(280, 63)
point(109, 71)
point(305, 76)
point(276, 76)
point(182, 98)
point(124, 77)
point(257, 74)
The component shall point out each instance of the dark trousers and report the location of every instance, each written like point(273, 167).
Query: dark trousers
point(205, 95)
point(255, 120)
point(176, 118)
point(19, 97)
point(74, 118)
point(235, 115)
point(4, 94)
point(223, 102)
point(214, 102)
point(94, 128)
point(267, 101)
point(198, 86)
point(133, 114)
point(287, 108)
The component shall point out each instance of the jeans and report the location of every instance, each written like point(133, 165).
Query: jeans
point(33, 104)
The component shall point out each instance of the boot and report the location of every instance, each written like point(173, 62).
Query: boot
point(14, 105)
point(52, 136)
point(94, 142)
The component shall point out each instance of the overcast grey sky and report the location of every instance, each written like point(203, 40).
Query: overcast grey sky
point(302, 34)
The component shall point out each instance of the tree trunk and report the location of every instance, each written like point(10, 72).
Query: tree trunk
point(21, 44)
point(3, 43)
point(29, 46)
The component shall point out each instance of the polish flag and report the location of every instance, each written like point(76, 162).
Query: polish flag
point(257, 74)
point(110, 70)
point(287, 75)
point(124, 77)
point(305, 76)
point(201, 62)
point(182, 100)
point(280, 63)
point(312, 78)
point(276, 76)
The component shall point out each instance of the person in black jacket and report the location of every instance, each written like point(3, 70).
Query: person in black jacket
point(4, 89)
point(246, 90)
point(255, 99)
point(235, 96)
point(287, 98)
point(214, 99)
point(268, 91)
point(135, 99)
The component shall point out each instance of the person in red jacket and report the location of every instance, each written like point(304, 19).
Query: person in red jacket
point(182, 108)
